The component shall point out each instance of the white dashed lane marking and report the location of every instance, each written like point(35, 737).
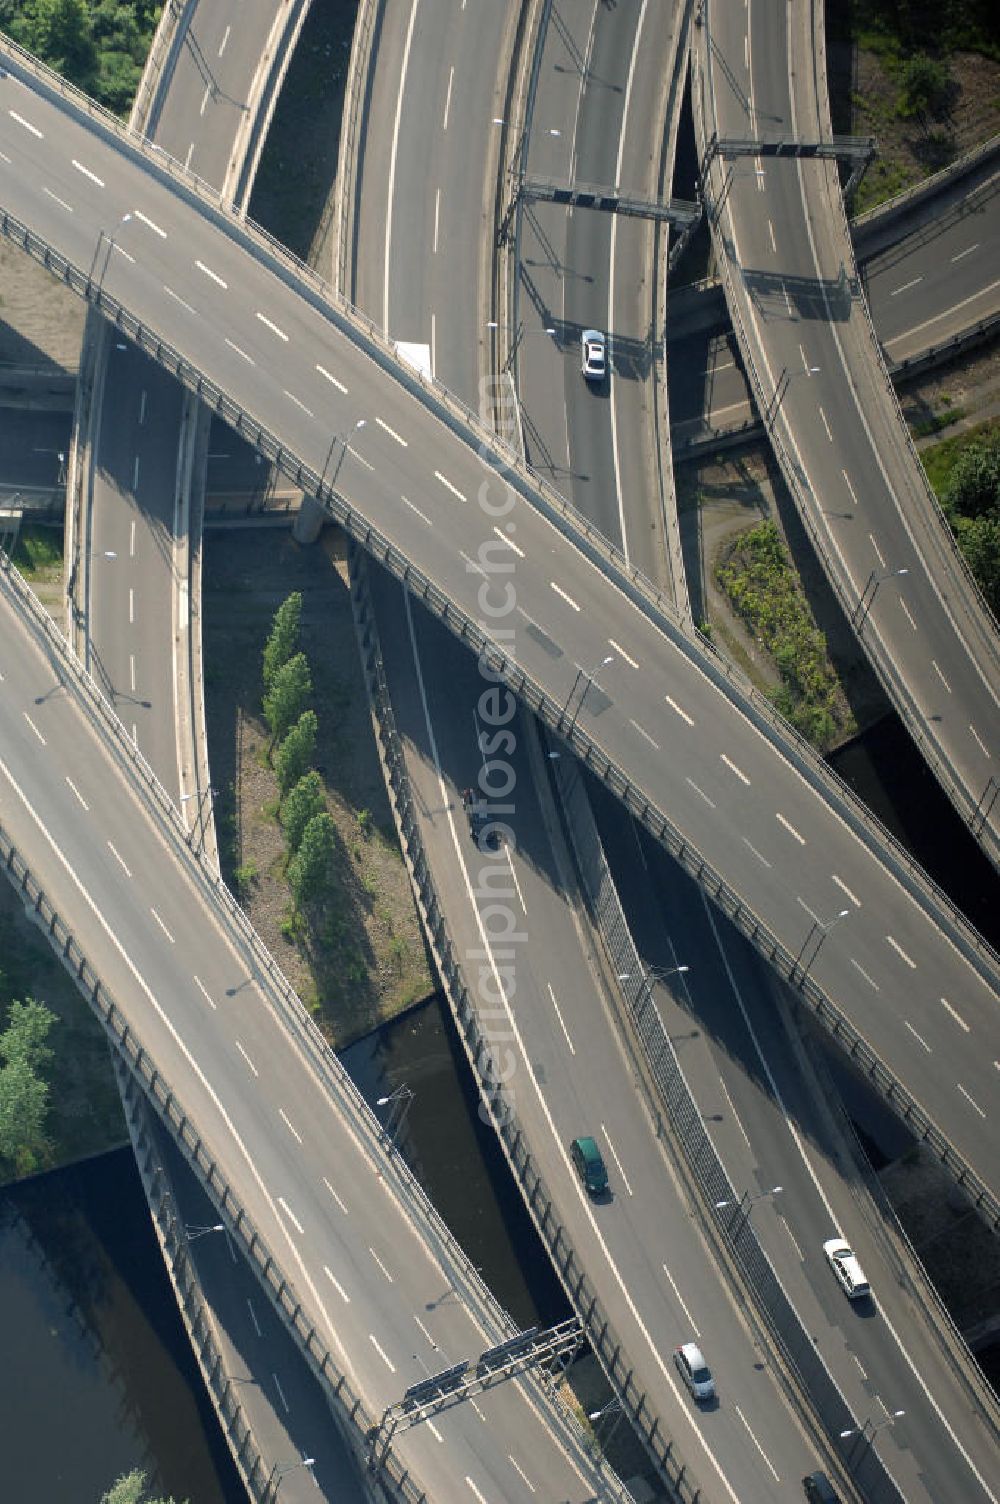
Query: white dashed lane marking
point(150, 224)
point(87, 172)
point(272, 326)
point(901, 952)
point(734, 769)
point(213, 276)
point(448, 485)
point(567, 598)
point(332, 379)
point(404, 443)
point(27, 124)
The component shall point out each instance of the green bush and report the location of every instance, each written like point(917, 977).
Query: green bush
point(924, 87)
point(287, 695)
point(24, 1093)
point(99, 45)
point(283, 639)
point(295, 753)
point(309, 869)
point(965, 473)
point(762, 586)
point(303, 802)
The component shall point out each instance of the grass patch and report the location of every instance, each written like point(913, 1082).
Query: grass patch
point(939, 459)
point(934, 424)
point(923, 77)
point(756, 574)
point(38, 553)
point(356, 954)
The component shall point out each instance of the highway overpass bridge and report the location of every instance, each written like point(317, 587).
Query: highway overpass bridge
point(699, 757)
point(804, 330)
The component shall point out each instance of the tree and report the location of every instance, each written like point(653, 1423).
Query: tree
point(60, 32)
point(302, 802)
point(26, 1032)
point(24, 1101)
point(283, 640)
point(130, 1488)
point(925, 84)
point(296, 751)
point(309, 869)
point(973, 487)
point(979, 539)
point(287, 696)
point(24, 1095)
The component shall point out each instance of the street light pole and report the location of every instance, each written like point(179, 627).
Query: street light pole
point(818, 929)
point(280, 1470)
point(867, 598)
point(589, 678)
point(343, 438)
point(113, 246)
point(741, 1216)
point(191, 1233)
point(613, 1407)
point(199, 815)
point(401, 1100)
point(781, 391)
point(868, 1432)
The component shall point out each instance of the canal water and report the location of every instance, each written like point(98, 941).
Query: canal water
point(96, 1355)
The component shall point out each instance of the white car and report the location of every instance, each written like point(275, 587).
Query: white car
point(594, 358)
point(694, 1371)
point(844, 1263)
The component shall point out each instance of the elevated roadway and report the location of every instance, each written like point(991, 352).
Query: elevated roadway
point(686, 731)
point(143, 455)
point(934, 281)
point(427, 105)
point(382, 1285)
point(569, 1064)
point(841, 441)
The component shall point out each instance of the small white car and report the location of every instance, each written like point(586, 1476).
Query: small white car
point(694, 1371)
point(594, 355)
point(844, 1263)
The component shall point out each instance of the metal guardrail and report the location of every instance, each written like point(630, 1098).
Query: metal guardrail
point(639, 589)
point(358, 82)
point(829, 1411)
point(191, 1303)
point(479, 1051)
point(760, 710)
point(161, 1094)
point(882, 661)
point(299, 1024)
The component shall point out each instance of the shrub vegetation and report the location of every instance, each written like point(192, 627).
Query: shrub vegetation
point(758, 578)
point(99, 45)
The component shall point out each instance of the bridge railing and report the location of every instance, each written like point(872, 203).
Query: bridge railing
point(357, 1421)
point(493, 450)
point(659, 609)
point(966, 801)
point(813, 1383)
point(551, 712)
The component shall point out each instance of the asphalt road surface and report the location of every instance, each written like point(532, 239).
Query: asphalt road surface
point(677, 729)
point(844, 444)
point(572, 1067)
point(318, 1185)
